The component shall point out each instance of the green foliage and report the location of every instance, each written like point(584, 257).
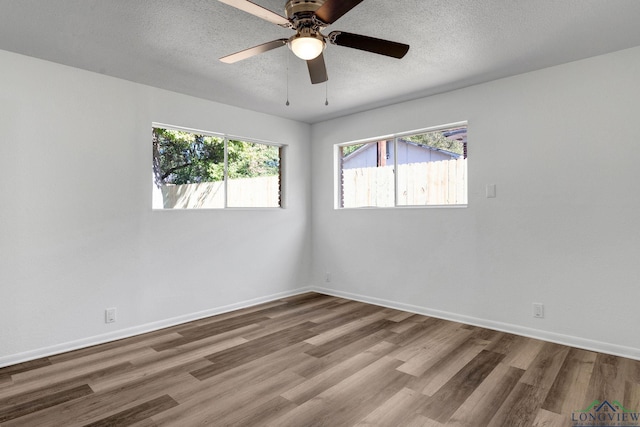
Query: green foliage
point(250, 160)
point(185, 158)
point(437, 140)
point(348, 149)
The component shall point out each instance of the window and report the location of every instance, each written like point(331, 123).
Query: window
point(206, 170)
point(431, 170)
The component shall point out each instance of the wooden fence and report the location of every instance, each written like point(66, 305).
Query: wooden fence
point(419, 184)
point(243, 192)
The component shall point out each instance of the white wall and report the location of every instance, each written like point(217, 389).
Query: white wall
point(563, 230)
point(77, 232)
point(563, 148)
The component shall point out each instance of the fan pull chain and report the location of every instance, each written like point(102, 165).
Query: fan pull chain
point(326, 92)
point(287, 53)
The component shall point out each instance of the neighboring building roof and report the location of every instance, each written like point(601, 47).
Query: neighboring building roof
point(364, 147)
point(428, 147)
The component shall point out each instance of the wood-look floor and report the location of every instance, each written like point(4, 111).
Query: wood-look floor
point(316, 360)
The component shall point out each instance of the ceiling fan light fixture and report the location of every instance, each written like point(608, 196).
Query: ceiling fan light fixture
point(307, 46)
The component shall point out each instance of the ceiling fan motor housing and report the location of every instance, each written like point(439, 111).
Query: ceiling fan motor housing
point(301, 12)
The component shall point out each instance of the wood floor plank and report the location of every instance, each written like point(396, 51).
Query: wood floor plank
point(419, 343)
point(523, 355)
point(550, 419)
point(309, 308)
point(398, 316)
point(230, 314)
point(350, 399)
point(487, 398)
point(243, 388)
point(284, 321)
point(118, 348)
point(567, 394)
point(25, 366)
point(507, 344)
point(520, 409)
point(97, 406)
point(252, 350)
point(608, 380)
point(446, 366)
point(546, 365)
point(345, 313)
point(54, 399)
point(408, 336)
point(59, 372)
point(197, 333)
point(441, 348)
point(348, 338)
point(327, 379)
point(442, 405)
point(264, 413)
point(407, 324)
point(20, 398)
point(312, 360)
point(631, 396)
point(5, 380)
point(315, 365)
point(632, 370)
point(398, 410)
point(210, 408)
point(522, 405)
point(242, 377)
point(484, 334)
point(421, 421)
point(157, 363)
point(347, 328)
point(137, 413)
point(333, 312)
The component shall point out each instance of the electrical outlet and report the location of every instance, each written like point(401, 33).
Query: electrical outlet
point(538, 310)
point(327, 277)
point(110, 315)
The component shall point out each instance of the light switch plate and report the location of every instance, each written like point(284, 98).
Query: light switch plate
point(491, 191)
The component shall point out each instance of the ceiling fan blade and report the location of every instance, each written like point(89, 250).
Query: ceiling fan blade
point(317, 70)
point(332, 10)
point(259, 11)
point(252, 51)
point(369, 44)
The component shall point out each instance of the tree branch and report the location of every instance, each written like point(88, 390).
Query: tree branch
point(173, 169)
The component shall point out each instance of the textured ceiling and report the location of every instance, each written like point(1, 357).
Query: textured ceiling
point(454, 43)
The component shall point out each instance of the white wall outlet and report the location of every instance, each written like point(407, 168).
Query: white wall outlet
point(327, 276)
point(538, 310)
point(110, 315)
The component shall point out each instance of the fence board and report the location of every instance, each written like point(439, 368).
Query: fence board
point(419, 184)
point(242, 192)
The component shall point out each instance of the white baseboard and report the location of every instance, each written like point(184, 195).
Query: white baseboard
point(137, 330)
point(586, 344)
point(583, 343)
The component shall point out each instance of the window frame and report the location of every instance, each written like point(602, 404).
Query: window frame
point(337, 166)
point(282, 148)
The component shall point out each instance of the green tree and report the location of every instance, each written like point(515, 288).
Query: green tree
point(348, 149)
point(181, 157)
point(250, 160)
point(437, 140)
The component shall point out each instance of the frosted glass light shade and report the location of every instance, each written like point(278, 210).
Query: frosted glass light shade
point(307, 47)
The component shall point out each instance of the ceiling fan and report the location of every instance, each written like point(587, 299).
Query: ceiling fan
point(308, 18)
